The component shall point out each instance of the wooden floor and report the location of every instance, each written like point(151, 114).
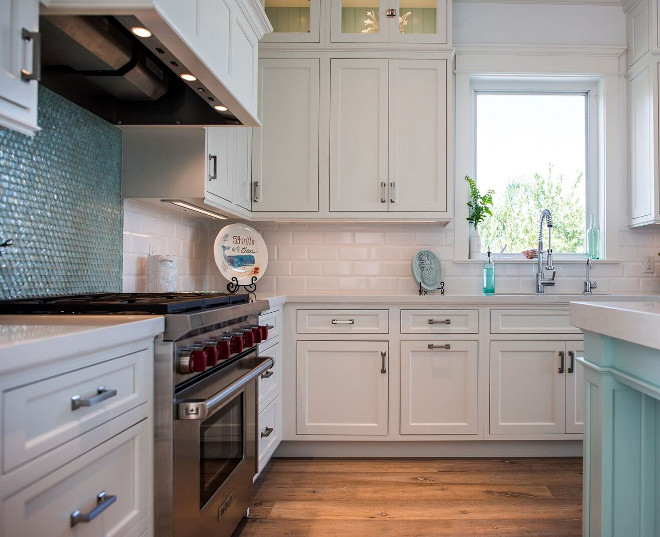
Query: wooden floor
point(416, 498)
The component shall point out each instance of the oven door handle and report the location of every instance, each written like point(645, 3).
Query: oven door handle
point(196, 409)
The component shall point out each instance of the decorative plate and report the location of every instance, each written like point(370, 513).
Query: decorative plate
point(241, 253)
point(427, 270)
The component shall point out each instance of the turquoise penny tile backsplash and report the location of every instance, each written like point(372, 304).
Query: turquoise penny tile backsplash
point(60, 203)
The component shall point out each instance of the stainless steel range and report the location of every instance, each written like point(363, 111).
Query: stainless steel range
point(205, 401)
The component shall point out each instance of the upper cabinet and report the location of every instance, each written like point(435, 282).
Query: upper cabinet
point(285, 159)
point(390, 21)
point(19, 64)
point(388, 137)
point(293, 20)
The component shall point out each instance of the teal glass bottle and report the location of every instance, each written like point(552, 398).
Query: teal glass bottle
point(489, 275)
point(593, 239)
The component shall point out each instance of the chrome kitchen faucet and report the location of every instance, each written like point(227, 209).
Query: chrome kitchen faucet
point(541, 281)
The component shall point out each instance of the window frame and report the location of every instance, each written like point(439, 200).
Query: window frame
point(554, 85)
point(599, 67)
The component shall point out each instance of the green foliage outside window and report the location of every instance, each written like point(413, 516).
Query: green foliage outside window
point(516, 211)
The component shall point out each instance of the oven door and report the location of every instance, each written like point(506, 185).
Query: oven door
point(215, 450)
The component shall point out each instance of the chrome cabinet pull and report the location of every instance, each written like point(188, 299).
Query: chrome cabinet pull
point(270, 327)
point(267, 432)
point(339, 321)
point(571, 367)
point(102, 503)
point(255, 191)
point(561, 365)
point(214, 160)
point(383, 194)
point(433, 346)
point(35, 37)
point(101, 395)
point(267, 374)
point(435, 321)
point(390, 13)
point(393, 192)
point(383, 357)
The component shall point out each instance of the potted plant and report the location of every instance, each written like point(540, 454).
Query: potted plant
point(479, 207)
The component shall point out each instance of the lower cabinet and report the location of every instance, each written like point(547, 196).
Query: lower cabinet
point(439, 387)
point(342, 387)
point(535, 387)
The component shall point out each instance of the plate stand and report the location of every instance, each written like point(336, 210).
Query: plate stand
point(425, 292)
point(251, 287)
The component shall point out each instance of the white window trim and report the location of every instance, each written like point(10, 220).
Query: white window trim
point(601, 67)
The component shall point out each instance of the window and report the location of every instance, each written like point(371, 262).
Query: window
point(532, 147)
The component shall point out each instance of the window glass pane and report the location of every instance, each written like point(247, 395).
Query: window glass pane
point(288, 15)
point(417, 16)
point(531, 150)
point(359, 17)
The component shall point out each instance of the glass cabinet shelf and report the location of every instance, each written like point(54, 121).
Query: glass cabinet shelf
point(293, 20)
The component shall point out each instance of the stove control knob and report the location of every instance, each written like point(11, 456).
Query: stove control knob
point(248, 338)
point(264, 332)
point(256, 333)
point(210, 346)
point(192, 361)
point(224, 348)
point(237, 342)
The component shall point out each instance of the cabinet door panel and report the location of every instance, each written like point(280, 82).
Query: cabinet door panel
point(421, 21)
point(358, 135)
point(242, 181)
point(220, 149)
point(574, 388)
point(640, 104)
point(527, 391)
point(341, 388)
point(286, 148)
point(439, 392)
point(355, 21)
point(418, 135)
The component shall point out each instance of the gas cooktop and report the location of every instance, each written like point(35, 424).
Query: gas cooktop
point(104, 303)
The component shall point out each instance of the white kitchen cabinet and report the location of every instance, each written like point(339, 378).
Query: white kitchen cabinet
point(293, 21)
point(208, 168)
point(530, 384)
point(216, 40)
point(19, 59)
point(342, 387)
point(285, 165)
point(391, 21)
point(388, 137)
point(439, 387)
point(574, 387)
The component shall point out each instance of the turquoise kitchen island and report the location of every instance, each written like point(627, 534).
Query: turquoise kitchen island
point(622, 417)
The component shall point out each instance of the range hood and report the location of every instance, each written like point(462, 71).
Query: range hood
point(97, 63)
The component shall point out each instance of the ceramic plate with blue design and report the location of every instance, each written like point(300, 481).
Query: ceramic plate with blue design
point(241, 253)
point(427, 270)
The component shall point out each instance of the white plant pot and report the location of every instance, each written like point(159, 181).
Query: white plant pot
point(475, 243)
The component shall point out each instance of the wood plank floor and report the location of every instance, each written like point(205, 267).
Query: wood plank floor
point(417, 498)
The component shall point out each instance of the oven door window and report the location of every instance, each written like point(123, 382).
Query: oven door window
point(220, 447)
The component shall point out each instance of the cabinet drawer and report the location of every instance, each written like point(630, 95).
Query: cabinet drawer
point(40, 416)
point(270, 381)
point(270, 431)
point(272, 319)
point(343, 321)
point(439, 321)
point(121, 467)
point(531, 321)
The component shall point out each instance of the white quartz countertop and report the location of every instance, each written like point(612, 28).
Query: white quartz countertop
point(636, 322)
point(26, 340)
point(434, 300)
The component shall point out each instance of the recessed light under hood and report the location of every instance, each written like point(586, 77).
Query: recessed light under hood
point(98, 63)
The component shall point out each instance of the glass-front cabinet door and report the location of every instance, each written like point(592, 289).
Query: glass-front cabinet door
point(293, 20)
point(415, 21)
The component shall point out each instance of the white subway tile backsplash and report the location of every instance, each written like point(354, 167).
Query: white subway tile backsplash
point(338, 237)
point(384, 253)
point(323, 252)
point(307, 237)
point(308, 268)
point(369, 237)
point(322, 285)
point(285, 251)
point(353, 284)
point(397, 268)
point(336, 268)
point(367, 268)
point(353, 252)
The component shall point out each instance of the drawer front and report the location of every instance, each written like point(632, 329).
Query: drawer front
point(270, 380)
point(531, 321)
point(439, 321)
point(270, 431)
point(272, 319)
point(121, 467)
point(342, 321)
point(40, 416)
